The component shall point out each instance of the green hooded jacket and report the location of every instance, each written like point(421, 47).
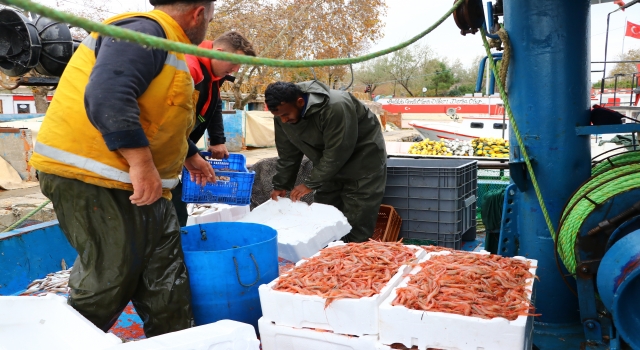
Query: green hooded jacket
point(338, 133)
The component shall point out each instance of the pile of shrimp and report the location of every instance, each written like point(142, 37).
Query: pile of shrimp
point(354, 270)
point(485, 286)
point(435, 248)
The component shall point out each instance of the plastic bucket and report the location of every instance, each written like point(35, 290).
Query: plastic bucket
point(227, 262)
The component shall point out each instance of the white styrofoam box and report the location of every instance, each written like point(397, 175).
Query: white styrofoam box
point(343, 316)
point(275, 337)
point(47, 321)
point(221, 335)
point(426, 329)
point(218, 212)
point(302, 229)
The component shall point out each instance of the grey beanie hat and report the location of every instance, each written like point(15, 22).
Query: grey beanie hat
point(171, 2)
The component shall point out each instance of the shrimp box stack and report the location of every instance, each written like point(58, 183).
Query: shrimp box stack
point(463, 301)
point(336, 293)
point(274, 337)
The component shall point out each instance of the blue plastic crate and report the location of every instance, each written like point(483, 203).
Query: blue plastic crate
point(236, 191)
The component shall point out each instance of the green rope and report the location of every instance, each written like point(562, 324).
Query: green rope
point(599, 180)
point(607, 181)
point(597, 190)
point(617, 160)
point(610, 177)
point(164, 44)
point(516, 132)
point(32, 213)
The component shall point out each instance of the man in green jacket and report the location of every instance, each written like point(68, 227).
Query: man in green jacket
point(342, 138)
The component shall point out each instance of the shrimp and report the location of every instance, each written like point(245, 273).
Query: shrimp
point(477, 285)
point(354, 270)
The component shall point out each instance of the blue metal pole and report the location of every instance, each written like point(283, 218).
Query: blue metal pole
point(490, 17)
point(483, 62)
point(497, 56)
point(549, 95)
point(492, 80)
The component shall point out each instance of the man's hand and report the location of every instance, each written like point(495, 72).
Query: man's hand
point(147, 185)
point(278, 193)
point(218, 151)
point(299, 192)
point(200, 170)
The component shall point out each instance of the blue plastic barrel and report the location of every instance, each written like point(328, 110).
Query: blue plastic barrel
point(227, 262)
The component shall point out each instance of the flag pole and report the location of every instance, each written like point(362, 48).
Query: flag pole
point(623, 35)
point(606, 46)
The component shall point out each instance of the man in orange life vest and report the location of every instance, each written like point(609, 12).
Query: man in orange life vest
point(208, 76)
point(109, 151)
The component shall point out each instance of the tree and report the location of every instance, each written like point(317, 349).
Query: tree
point(457, 70)
point(405, 65)
point(373, 73)
point(627, 68)
point(298, 29)
point(471, 77)
point(442, 77)
point(465, 78)
point(95, 10)
point(625, 71)
point(40, 95)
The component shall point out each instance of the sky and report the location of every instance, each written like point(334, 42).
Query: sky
point(407, 18)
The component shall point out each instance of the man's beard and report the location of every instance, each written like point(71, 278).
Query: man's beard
point(197, 34)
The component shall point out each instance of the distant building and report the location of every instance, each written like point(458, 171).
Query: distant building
point(18, 102)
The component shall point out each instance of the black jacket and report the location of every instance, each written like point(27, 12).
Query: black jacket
point(337, 132)
point(209, 119)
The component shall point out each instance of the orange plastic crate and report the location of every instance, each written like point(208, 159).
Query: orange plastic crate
point(388, 225)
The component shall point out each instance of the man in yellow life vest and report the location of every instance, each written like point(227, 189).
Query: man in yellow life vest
point(108, 153)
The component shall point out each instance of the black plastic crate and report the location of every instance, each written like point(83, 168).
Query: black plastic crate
point(434, 197)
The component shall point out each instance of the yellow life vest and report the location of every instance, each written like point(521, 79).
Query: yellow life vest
point(68, 145)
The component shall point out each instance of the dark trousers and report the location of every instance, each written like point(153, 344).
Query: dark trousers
point(359, 200)
point(125, 252)
point(181, 207)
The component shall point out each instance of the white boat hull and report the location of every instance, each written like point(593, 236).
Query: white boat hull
point(459, 131)
point(463, 131)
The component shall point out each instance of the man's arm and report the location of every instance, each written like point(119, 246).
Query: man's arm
point(193, 148)
point(340, 134)
point(147, 185)
point(122, 73)
point(215, 128)
point(289, 160)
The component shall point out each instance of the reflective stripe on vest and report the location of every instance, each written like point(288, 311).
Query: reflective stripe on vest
point(172, 59)
point(91, 165)
point(90, 42)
